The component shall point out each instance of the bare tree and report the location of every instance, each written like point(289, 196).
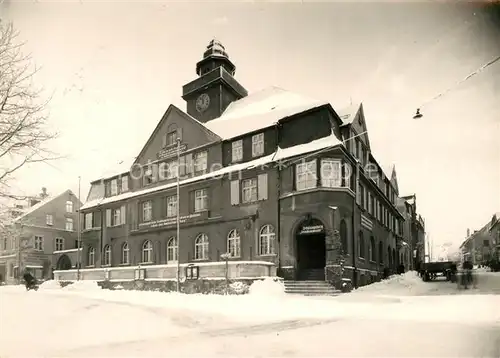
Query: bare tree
point(24, 132)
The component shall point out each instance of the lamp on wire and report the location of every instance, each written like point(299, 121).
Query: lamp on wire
point(418, 114)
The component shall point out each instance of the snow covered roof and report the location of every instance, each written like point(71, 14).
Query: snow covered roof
point(39, 205)
point(320, 144)
point(117, 168)
point(348, 114)
point(260, 110)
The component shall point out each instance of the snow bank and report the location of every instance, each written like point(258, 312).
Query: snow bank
point(50, 285)
point(83, 286)
point(267, 287)
point(408, 283)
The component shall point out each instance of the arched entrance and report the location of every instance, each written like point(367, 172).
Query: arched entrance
point(311, 250)
point(64, 263)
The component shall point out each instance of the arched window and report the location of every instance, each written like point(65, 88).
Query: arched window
point(147, 252)
point(372, 249)
point(266, 240)
point(106, 259)
point(233, 243)
point(201, 247)
point(91, 257)
point(343, 236)
point(125, 254)
point(172, 250)
point(361, 245)
point(380, 252)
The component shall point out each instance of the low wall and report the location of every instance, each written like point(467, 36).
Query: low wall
point(206, 270)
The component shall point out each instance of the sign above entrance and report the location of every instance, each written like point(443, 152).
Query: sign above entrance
point(313, 229)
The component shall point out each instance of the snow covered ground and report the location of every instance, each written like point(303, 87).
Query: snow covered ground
point(402, 316)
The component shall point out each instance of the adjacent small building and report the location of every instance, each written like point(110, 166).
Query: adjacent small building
point(414, 230)
point(483, 245)
point(40, 236)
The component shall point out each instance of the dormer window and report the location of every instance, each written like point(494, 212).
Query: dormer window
point(114, 187)
point(237, 151)
point(200, 161)
point(170, 138)
point(257, 145)
point(124, 184)
point(148, 176)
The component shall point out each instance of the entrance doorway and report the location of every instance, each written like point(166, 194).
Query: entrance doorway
point(64, 263)
point(311, 250)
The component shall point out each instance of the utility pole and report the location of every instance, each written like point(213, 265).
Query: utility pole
point(78, 244)
point(178, 214)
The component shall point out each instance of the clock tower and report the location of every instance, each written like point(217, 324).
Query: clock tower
point(215, 88)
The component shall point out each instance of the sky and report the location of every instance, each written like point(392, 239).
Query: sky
point(114, 67)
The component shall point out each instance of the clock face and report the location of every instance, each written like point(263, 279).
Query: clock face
point(202, 102)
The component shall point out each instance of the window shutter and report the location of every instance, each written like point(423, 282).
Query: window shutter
point(235, 192)
point(164, 141)
point(189, 163)
point(123, 213)
point(108, 217)
point(262, 186)
point(179, 133)
point(191, 201)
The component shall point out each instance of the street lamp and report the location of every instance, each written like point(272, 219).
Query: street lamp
point(178, 214)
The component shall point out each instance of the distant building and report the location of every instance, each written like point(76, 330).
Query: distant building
point(35, 236)
point(414, 229)
point(483, 245)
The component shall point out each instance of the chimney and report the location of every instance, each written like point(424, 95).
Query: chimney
point(44, 194)
point(468, 232)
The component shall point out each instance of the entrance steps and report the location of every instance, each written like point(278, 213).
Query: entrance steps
point(310, 288)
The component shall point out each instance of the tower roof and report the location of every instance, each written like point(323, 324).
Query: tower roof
point(215, 48)
point(216, 52)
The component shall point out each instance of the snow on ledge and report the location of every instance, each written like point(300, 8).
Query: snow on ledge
point(66, 251)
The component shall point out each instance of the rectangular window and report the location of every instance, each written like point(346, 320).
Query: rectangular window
point(235, 192)
point(114, 187)
point(306, 175)
point(170, 138)
point(49, 219)
point(59, 245)
point(262, 186)
point(200, 200)
point(69, 224)
point(331, 173)
point(147, 178)
point(69, 206)
point(116, 218)
point(249, 190)
point(88, 221)
point(257, 144)
point(124, 184)
point(362, 195)
point(200, 161)
point(171, 206)
point(147, 211)
point(237, 151)
point(38, 243)
point(372, 205)
point(170, 170)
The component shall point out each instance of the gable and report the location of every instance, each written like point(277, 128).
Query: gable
point(394, 180)
point(192, 133)
point(55, 206)
point(359, 125)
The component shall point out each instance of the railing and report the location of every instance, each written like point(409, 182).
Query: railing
point(206, 270)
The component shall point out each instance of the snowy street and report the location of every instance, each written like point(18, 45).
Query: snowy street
point(394, 318)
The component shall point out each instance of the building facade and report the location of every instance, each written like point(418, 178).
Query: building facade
point(483, 245)
point(39, 235)
point(257, 182)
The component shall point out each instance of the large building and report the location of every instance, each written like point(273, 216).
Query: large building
point(282, 183)
point(483, 245)
point(35, 236)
